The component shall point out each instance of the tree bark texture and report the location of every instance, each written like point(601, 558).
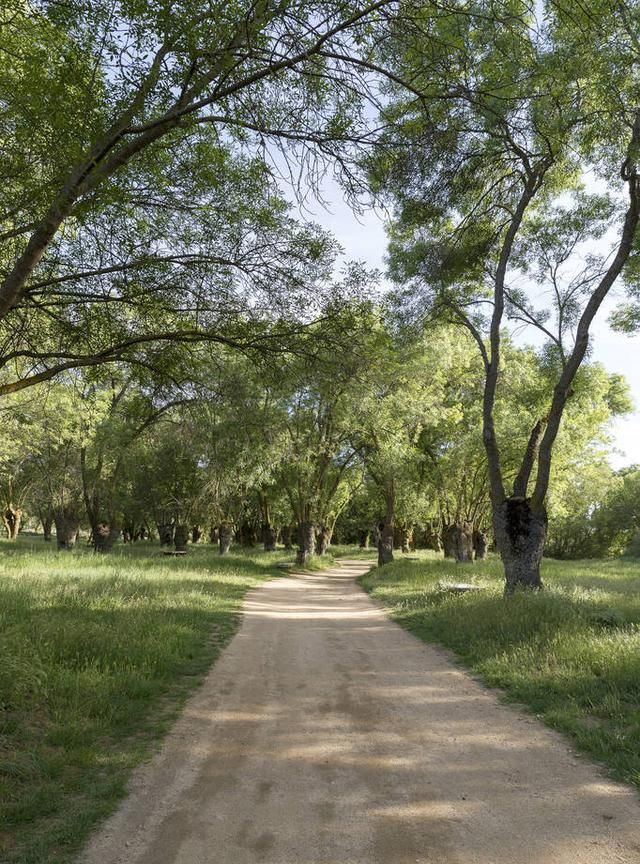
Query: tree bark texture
point(269, 538)
point(323, 539)
point(67, 526)
point(480, 545)
point(181, 538)
point(520, 535)
point(165, 532)
point(11, 519)
point(104, 536)
point(225, 535)
point(285, 536)
point(306, 542)
point(458, 541)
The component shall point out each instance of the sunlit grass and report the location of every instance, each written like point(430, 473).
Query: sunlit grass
point(97, 654)
point(570, 653)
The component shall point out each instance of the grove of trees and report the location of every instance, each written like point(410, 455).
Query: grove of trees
point(184, 356)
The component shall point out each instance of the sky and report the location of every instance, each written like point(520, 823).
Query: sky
point(363, 239)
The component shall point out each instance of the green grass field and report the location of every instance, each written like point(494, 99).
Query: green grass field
point(97, 654)
point(571, 654)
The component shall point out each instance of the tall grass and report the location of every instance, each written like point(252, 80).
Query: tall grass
point(571, 653)
point(97, 654)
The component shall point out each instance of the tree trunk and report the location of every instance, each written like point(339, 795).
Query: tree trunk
point(165, 532)
point(285, 536)
point(104, 536)
point(480, 545)
point(269, 538)
point(363, 537)
point(196, 534)
point(385, 545)
point(47, 522)
point(306, 541)
point(402, 537)
point(181, 538)
point(432, 539)
point(323, 539)
point(520, 535)
point(67, 526)
point(248, 534)
point(449, 541)
point(11, 518)
point(225, 535)
point(458, 541)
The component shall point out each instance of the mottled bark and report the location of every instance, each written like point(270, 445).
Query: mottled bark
point(458, 541)
point(403, 537)
point(269, 538)
point(247, 534)
point(165, 533)
point(285, 536)
point(225, 535)
point(104, 536)
point(181, 538)
point(323, 539)
point(46, 520)
point(67, 524)
point(385, 545)
point(480, 545)
point(11, 519)
point(306, 542)
point(520, 534)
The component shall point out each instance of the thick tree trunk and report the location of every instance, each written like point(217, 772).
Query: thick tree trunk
point(181, 538)
point(225, 535)
point(306, 542)
point(402, 537)
point(480, 545)
point(165, 532)
point(47, 523)
point(67, 526)
point(323, 539)
point(385, 545)
point(449, 541)
point(432, 539)
point(458, 541)
point(520, 535)
point(11, 519)
point(285, 536)
point(269, 538)
point(363, 538)
point(104, 536)
point(248, 534)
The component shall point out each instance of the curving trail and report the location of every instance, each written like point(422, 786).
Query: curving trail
point(325, 734)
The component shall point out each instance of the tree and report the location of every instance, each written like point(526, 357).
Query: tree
point(486, 175)
point(135, 196)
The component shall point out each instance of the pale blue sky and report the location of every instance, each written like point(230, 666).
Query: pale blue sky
point(363, 238)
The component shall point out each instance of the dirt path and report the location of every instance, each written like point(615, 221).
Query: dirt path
point(325, 734)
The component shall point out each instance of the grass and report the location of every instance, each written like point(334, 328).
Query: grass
point(97, 655)
point(571, 654)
